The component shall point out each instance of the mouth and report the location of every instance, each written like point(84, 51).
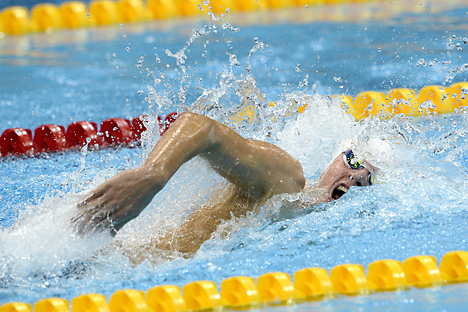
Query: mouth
point(339, 191)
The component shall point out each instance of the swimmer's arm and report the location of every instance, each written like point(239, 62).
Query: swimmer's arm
point(117, 201)
point(258, 168)
point(124, 196)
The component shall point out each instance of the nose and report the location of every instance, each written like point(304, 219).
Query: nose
point(363, 178)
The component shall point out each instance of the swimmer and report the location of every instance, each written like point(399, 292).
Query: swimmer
point(255, 170)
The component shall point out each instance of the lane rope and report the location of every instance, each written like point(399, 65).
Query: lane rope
point(54, 138)
point(47, 17)
point(400, 102)
point(270, 289)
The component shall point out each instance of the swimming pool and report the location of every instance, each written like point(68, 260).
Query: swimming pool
point(94, 74)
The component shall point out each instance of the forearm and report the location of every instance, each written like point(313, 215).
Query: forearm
point(187, 137)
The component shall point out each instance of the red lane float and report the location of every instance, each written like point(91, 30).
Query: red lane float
point(164, 125)
point(117, 131)
point(81, 133)
point(49, 138)
point(16, 141)
point(138, 127)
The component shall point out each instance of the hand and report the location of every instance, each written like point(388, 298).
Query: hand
point(117, 201)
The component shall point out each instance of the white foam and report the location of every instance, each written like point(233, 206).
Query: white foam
point(42, 239)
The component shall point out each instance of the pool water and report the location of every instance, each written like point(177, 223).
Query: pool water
point(217, 68)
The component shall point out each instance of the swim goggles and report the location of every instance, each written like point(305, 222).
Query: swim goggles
point(352, 162)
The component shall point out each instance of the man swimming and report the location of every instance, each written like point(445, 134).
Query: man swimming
point(255, 170)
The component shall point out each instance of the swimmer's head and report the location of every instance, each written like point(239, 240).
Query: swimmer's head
point(345, 171)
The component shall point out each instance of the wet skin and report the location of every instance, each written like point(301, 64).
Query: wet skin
point(338, 178)
point(256, 171)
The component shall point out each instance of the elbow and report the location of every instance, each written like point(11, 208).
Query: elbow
point(299, 178)
point(186, 116)
point(300, 182)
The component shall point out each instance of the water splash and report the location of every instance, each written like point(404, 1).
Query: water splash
point(422, 162)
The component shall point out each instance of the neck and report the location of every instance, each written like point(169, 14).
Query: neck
point(313, 194)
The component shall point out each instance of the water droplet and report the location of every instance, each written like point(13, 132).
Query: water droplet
point(379, 49)
point(422, 62)
point(282, 228)
point(337, 79)
point(127, 49)
point(121, 25)
point(140, 62)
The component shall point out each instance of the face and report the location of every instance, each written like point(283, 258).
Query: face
point(343, 173)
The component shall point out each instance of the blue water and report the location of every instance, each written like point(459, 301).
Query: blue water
point(94, 74)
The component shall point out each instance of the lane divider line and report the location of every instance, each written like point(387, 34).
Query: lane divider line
point(402, 102)
point(47, 17)
point(54, 138)
point(271, 289)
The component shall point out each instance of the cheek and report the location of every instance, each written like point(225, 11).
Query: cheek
point(328, 175)
point(333, 169)
point(334, 173)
